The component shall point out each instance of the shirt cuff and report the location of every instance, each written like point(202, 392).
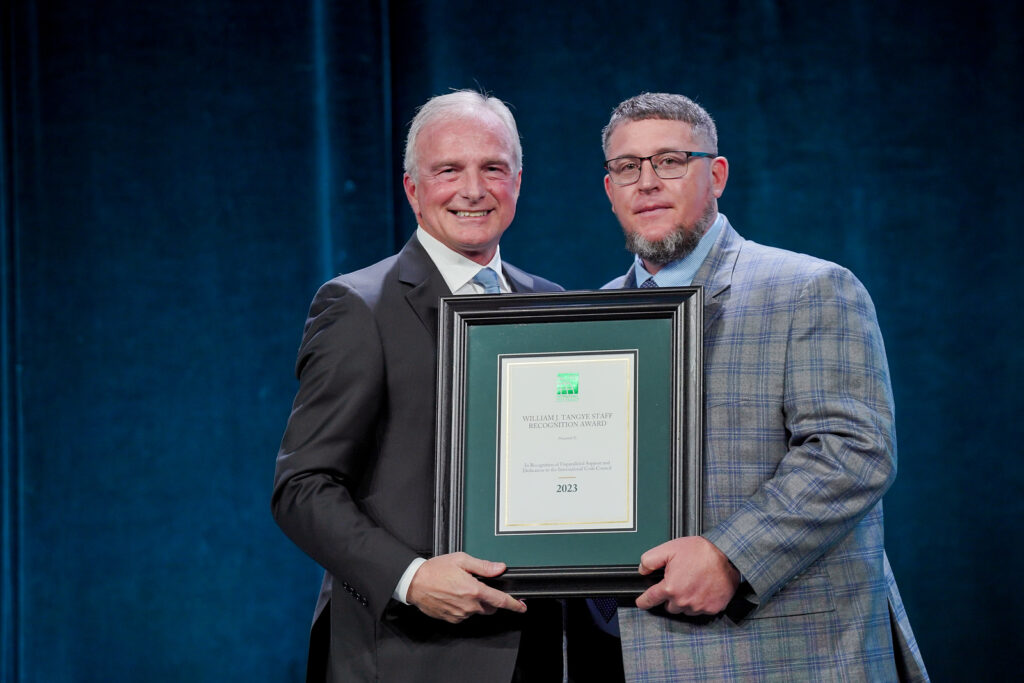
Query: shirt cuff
point(403, 583)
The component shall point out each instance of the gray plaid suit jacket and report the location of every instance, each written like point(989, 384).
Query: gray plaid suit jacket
point(799, 447)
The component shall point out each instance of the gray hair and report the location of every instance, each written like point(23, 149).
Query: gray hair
point(461, 103)
point(666, 106)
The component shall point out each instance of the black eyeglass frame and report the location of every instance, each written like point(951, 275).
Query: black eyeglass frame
point(640, 164)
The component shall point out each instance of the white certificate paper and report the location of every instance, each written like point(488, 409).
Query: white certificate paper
point(566, 443)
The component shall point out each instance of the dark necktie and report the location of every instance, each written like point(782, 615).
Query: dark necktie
point(606, 606)
point(487, 279)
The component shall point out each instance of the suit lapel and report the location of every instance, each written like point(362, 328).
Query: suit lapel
point(715, 274)
point(426, 286)
point(518, 280)
point(630, 281)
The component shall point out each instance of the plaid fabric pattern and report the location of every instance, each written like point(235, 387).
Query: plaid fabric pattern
point(799, 448)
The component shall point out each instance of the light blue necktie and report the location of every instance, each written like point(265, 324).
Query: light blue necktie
point(487, 279)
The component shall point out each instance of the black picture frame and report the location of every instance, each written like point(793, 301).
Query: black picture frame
point(665, 326)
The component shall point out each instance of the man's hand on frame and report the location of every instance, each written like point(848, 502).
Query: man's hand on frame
point(699, 579)
point(445, 587)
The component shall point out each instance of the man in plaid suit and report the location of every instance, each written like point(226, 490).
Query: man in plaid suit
point(789, 580)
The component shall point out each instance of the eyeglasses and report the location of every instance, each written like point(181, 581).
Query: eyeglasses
point(666, 165)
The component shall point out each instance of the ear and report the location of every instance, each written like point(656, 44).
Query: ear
point(719, 175)
point(410, 193)
point(519, 181)
point(608, 190)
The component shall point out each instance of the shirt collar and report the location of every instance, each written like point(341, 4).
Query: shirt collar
point(680, 273)
point(456, 269)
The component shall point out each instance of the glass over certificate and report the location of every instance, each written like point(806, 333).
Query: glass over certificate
point(566, 443)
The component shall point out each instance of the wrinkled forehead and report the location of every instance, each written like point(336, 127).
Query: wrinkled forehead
point(465, 132)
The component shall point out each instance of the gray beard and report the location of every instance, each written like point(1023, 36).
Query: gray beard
point(678, 244)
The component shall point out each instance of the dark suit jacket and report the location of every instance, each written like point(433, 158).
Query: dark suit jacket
point(354, 480)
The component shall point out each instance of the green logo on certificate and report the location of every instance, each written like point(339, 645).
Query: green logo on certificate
point(567, 386)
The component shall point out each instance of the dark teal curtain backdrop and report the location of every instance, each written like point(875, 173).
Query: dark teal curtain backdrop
point(178, 178)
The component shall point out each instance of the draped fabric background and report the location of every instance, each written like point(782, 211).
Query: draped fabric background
point(178, 178)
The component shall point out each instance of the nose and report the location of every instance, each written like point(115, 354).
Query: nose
point(473, 186)
point(648, 178)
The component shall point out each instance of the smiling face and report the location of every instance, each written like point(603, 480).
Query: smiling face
point(664, 219)
point(465, 185)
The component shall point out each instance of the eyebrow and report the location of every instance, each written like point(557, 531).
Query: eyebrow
point(460, 164)
point(661, 150)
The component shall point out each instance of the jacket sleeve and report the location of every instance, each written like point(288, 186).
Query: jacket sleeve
point(328, 442)
point(841, 452)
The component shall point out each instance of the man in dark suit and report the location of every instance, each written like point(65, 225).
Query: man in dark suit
point(355, 473)
point(789, 580)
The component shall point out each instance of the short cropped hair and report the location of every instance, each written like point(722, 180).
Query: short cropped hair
point(457, 104)
point(666, 106)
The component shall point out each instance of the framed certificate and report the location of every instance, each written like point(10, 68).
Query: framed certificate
point(569, 434)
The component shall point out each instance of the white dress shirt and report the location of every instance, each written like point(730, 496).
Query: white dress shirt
point(458, 272)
